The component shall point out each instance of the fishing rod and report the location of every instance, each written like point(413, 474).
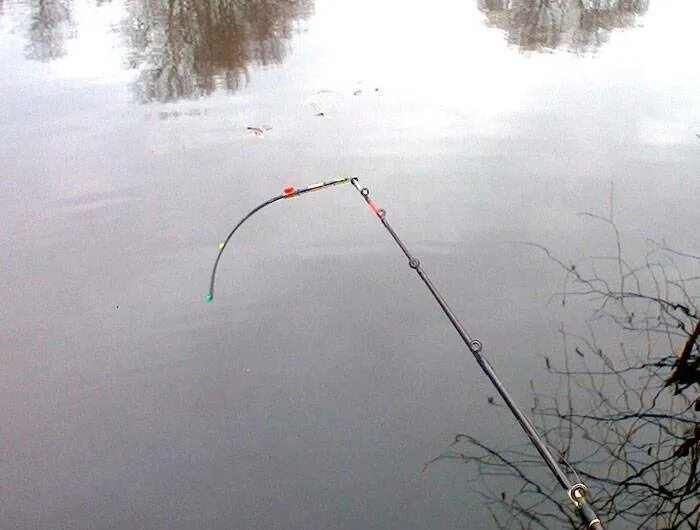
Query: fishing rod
point(575, 492)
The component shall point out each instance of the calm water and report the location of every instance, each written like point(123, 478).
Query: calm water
point(322, 378)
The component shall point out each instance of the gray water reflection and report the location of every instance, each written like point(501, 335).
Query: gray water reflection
point(578, 25)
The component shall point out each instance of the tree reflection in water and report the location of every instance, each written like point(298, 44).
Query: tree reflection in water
point(189, 48)
point(50, 23)
point(626, 410)
point(579, 25)
point(182, 48)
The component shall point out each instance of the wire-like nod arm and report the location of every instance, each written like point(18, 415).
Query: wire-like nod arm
point(287, 193)
point(575, 492)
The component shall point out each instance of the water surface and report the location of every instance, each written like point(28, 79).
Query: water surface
point(313, 390)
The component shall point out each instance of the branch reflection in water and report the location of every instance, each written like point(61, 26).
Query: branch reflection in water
point(581, 26)
point(182, 48)
point(50, 24)
point(189, 48)
point(624, 411)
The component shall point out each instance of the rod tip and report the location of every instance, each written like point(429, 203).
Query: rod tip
point(209, 297)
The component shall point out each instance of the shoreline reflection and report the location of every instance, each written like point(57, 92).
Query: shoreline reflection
point(581, 26)
point(51, 23)
point(183, 49)
point(190, 48)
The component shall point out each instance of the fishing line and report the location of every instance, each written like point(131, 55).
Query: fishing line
point(575, 492)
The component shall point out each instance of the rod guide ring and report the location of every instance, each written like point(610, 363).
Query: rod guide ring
point(577, 494)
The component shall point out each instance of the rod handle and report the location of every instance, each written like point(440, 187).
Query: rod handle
point(590, 519)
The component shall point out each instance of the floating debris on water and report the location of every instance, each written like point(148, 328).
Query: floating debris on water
point(325, 101)
point(259, 132)
point(321, 101)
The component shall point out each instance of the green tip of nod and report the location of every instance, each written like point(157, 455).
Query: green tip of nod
point(210, 297)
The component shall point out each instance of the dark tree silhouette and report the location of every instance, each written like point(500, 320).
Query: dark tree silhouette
point(189, 48)
point(579, 25)
point(624, 409)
